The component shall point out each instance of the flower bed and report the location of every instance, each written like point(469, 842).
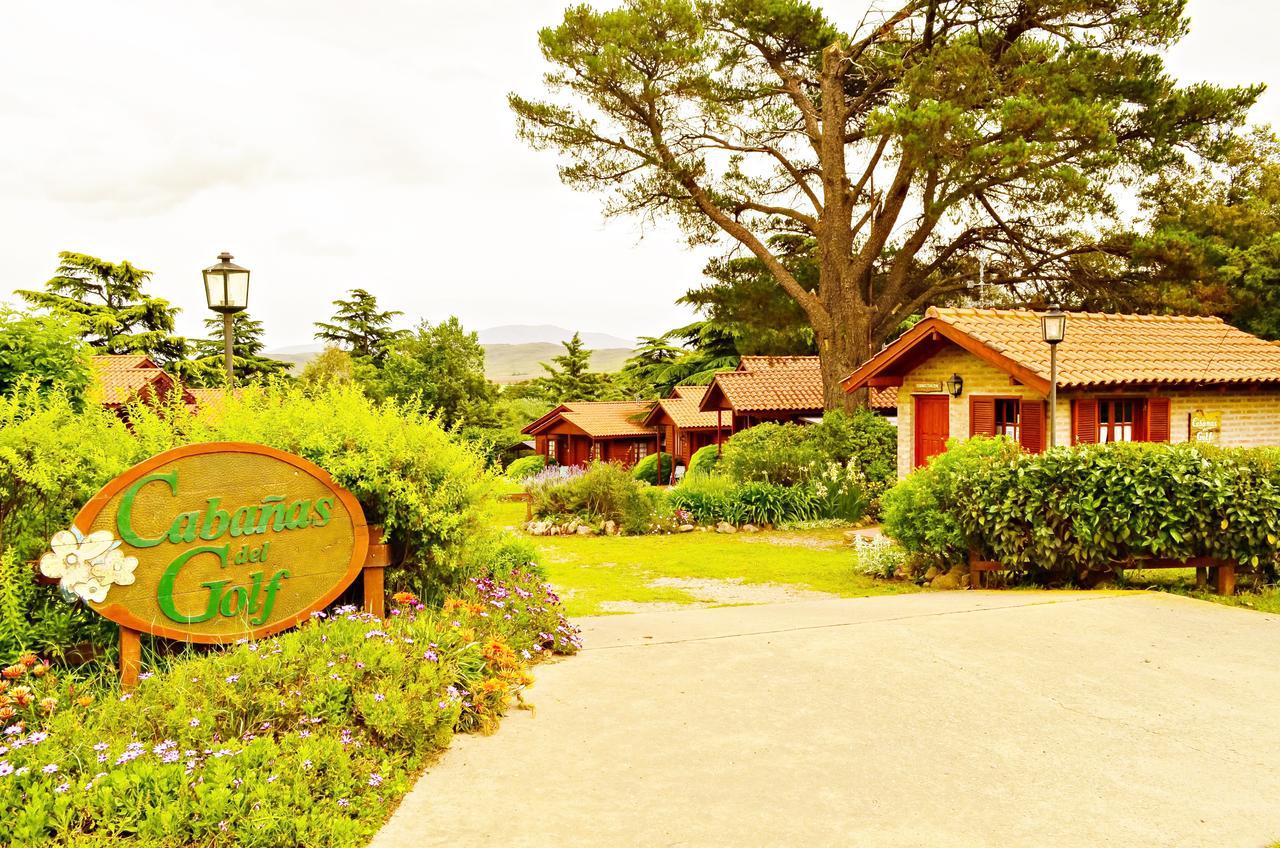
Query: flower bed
point(307, 738)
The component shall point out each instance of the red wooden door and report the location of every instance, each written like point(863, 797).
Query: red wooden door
point(933, 426)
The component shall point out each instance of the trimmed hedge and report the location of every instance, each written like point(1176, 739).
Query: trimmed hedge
point(1091, 506)
point(647, 471)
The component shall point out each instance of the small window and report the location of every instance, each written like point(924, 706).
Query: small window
point(551, 450)
point(642, 450)
point(1009, 418)
point(1118, 420)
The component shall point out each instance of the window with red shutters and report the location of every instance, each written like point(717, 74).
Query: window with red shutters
point(982, 416)
point(1032, 430)
point(1084, 421)
point(1158, 427)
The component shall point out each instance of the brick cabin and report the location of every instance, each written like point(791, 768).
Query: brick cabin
point(580, 432)
point(1120, 378)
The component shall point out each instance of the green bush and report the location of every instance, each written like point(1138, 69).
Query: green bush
point(771, 453)
point(603, 492)
point(1090, 507)
point(706, 498)
point(880, 557)
point(863, 438)
point(703, 462)
point(307, 738)
point(921, 511)
point(526, 466)
point(646, 470)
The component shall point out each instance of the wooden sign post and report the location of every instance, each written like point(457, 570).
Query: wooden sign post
point(212, 543)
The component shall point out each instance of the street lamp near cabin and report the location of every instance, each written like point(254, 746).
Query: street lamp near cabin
point(1053, 329)
point(226, 288)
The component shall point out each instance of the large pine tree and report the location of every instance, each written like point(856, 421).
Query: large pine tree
point(360, 327)
point(115, 313)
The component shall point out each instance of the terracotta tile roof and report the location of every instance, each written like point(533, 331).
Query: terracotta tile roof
point(683, 409)
point(122, 377)
point(768, 384)
point(1100, 349)
point(1109, 349)
point(883, 398)
point(598, 419)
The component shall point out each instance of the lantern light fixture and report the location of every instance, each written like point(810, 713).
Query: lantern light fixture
point(226, 286)
point(955, 385)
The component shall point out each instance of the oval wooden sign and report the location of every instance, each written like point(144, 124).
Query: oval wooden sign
point(213, 542)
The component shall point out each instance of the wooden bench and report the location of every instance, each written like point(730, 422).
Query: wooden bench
point(1223, 571)
point(528, 503)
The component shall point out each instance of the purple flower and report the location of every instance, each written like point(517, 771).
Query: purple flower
point(273, 778)
point(431, 656)
point(375, 779)
point(195, 722)
point(343, 802)
point(379, 697)
point(233, 678)
point(5, 768)
point(62, 787)
point(50, 769)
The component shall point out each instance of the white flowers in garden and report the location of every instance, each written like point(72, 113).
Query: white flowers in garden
point(86, 567)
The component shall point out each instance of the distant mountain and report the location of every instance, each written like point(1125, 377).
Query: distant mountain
point(503, 363)
point(519, 334)
point(511, 363)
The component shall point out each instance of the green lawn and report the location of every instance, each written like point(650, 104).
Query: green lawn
point(1182, 581)
point(610, 574)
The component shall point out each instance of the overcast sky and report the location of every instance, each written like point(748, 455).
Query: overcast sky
point(330, 145)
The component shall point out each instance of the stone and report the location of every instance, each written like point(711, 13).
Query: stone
point(945, 582)
point(851, 536)
point(584, 530)
point(726, 527)
point(687, 528)
point(611, 528)
point(931, 573)
point(750, 528)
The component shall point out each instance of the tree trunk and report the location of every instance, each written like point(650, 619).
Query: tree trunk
point(841, 352)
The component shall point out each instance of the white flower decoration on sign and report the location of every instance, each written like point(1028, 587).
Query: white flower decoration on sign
point(87, 566)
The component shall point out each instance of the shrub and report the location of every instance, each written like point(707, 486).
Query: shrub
point(880, 557)
point(920, 512)
point(604, 492)
point(646, 470)
point(526, 466)
point(707, 499)
point(867, 440)
point(303, 739)
point(703, 462)
point(770, 453)
point(769, 503)
point(1090, 507)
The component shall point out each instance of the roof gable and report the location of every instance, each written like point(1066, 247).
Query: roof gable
point(598, 419)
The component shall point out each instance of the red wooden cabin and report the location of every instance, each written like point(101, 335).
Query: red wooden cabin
point(577, 433)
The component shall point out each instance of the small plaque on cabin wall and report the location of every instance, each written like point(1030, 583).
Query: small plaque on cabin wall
point(928, 387)
point(1206, 427)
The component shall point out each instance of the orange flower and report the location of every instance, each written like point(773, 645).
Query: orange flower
point(84, 700)
point(48, 705)
point(22, 696)
point(27, 659)
point(454, 604)
point(7, 713)
point(407, 598)
point(13, 672)
point(39, 671)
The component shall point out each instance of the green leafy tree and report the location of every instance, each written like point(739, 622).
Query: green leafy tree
point(441, 368)
point(113, 312)
point(360, 327)
point(44, 350)
point(645, 371)
point(936, 137)
point(1213, 245)
point(569, 376)
point(208, 368)
point(336, 366)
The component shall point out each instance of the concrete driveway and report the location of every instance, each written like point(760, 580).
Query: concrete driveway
point(946, 719)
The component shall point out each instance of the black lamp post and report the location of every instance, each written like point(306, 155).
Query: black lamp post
point(226, 288)
point(1053, 329)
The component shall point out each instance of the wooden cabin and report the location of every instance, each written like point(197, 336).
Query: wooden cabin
point(778, 388)
point(578, 433)
point(121, 379)
point(683, 428)
point(1121, 378)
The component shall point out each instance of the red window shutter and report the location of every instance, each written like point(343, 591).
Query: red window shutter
point(1032, 426)
point(1084, 414)
point(1158, 420)
point(982, 416)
